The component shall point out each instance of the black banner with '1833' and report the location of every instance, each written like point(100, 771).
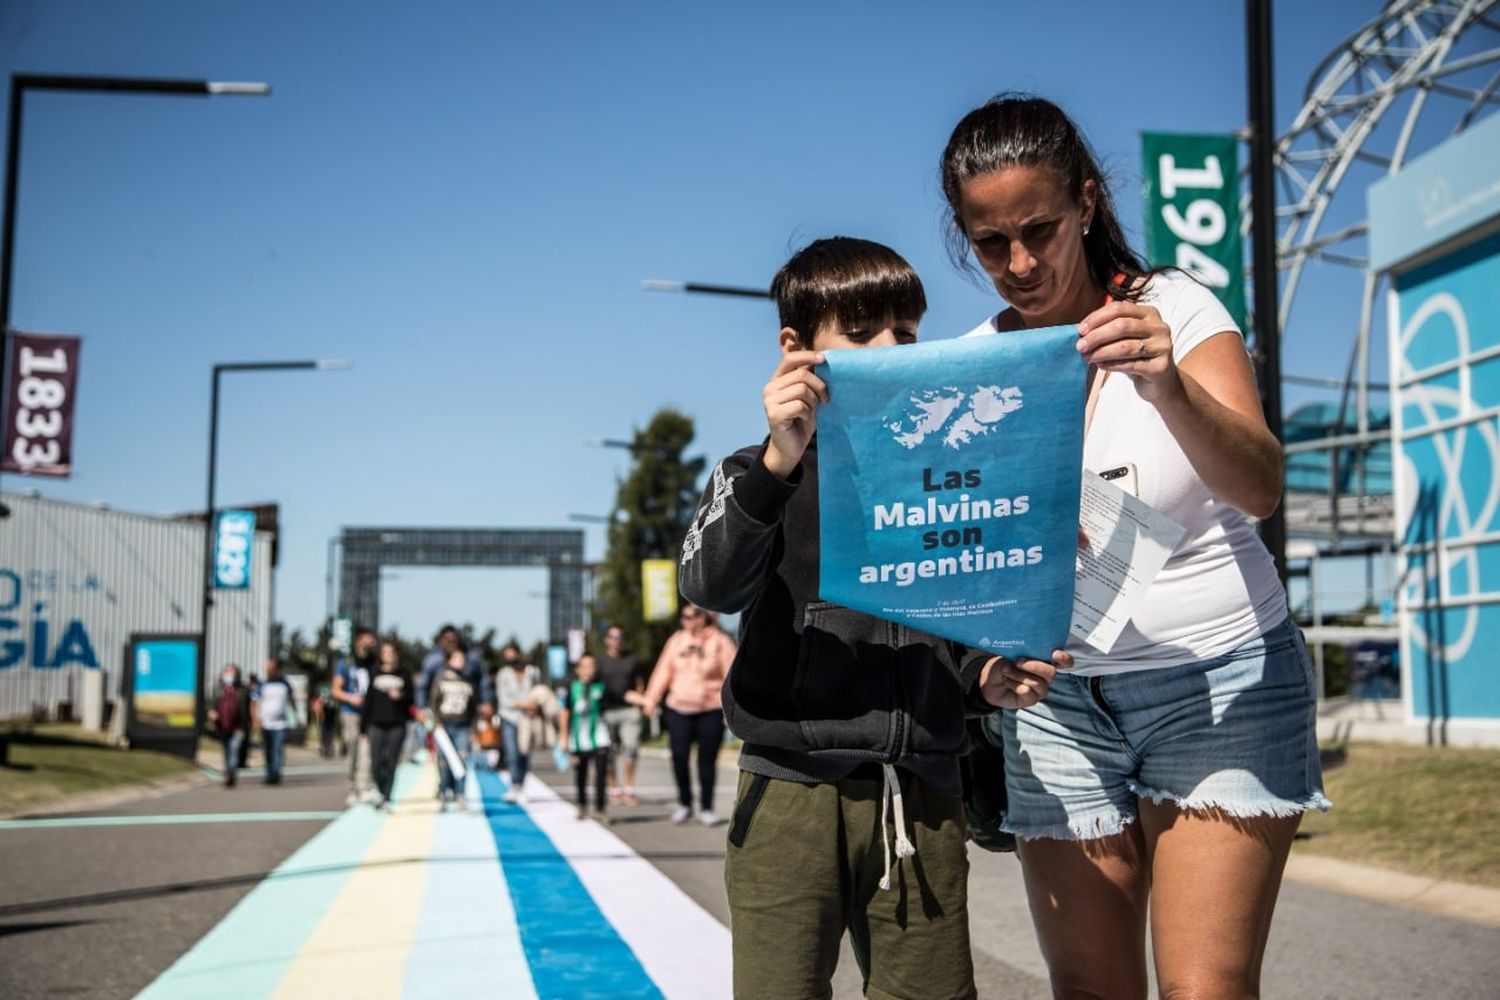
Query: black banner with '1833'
point(43, 372)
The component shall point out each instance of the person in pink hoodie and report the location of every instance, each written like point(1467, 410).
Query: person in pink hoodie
point(688, 677)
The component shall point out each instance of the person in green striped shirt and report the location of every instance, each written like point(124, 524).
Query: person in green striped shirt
point(581, 728)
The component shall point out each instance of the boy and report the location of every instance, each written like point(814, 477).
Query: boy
point(582, 731)
point(845, 717)
point(452, 703)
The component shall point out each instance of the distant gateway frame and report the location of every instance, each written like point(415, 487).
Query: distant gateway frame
point(366, 551)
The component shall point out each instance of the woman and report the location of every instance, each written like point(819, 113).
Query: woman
point(1182, 761)
point(386, 710)
point(515, 687)
point(231, 721)
point(689, 675)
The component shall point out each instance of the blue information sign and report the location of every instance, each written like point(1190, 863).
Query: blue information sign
point(234, 537)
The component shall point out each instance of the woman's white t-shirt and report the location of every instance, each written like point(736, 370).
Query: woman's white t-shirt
point(1219, 588)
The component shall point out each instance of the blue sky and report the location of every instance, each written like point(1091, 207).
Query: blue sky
point(462, 198)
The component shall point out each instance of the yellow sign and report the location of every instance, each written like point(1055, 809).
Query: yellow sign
point(658, 589)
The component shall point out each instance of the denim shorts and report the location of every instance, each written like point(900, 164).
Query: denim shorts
point(1236, 733)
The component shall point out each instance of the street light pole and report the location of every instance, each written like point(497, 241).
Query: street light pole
point(20, 83)
point(1263, 246)
point(738, 291)
point(209, 517)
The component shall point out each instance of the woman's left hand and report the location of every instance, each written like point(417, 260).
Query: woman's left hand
point(1132, 339)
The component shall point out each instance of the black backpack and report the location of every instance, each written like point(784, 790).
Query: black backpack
point(983, 773)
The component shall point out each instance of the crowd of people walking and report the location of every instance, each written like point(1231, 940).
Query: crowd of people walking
point(453, 710)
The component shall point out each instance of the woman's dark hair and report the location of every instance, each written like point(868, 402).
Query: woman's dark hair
point(846, 281)
point(1021, 130)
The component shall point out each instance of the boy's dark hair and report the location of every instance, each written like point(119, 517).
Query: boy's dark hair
point(846, 281)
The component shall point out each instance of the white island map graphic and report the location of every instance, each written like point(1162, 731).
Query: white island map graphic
point(958, 415)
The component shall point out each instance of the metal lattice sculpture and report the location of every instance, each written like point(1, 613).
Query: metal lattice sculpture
point(1418, 73)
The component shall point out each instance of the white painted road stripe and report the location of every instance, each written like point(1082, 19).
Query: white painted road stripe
point(681, 946)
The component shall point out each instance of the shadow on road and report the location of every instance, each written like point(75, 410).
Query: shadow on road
point(251, 878)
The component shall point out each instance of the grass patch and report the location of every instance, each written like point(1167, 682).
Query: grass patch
point(1424, 810)
point(51, 761)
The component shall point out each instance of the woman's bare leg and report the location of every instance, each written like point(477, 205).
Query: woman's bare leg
point(1215, 880)
point(1088, 900)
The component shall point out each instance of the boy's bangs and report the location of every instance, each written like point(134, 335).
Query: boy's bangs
point(874, 296)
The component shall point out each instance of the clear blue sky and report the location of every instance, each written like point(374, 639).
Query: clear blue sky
point(462, 198)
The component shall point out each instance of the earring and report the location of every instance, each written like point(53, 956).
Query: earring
point(1085, 229)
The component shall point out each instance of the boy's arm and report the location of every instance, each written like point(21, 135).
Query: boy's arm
point(726, 556)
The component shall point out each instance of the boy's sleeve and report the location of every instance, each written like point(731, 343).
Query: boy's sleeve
point(970, 665)
point(726, 555)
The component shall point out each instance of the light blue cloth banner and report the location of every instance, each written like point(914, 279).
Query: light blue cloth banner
point(948, 483)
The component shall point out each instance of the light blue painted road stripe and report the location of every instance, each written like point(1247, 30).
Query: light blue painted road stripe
point(467, 940)
point(572, 949)
point(248, 953)
point(63, 822)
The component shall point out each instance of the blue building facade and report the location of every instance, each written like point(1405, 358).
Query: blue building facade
point(1435, 230)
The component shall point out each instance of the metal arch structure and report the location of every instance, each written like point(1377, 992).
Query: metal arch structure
point(366, 551)
point(1364, 108)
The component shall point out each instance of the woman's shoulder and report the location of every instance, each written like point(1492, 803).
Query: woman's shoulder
point(1190, 308)
point(1175, 289)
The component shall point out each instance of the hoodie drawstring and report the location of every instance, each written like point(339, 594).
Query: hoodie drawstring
point(904, 847)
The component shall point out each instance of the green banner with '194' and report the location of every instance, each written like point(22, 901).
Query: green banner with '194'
point(1193, 210)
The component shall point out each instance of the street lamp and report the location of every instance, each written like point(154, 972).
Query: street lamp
point(630, 446)
point(213, 463)
point(20, 83)
point(738, 291)
point(334, 541)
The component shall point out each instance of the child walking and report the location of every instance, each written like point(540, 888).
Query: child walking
point(582, 730)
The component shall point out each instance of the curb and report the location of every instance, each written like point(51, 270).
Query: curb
point(105, 798)
point(1474, 904)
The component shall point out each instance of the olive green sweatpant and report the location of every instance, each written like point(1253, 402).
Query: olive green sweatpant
point(804, 864)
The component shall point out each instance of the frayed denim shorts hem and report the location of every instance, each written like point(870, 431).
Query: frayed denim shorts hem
point(1234, 735)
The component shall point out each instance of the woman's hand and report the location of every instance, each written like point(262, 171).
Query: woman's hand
point(1209, 404)
point(1020, 683)
point(792, 398)
point(1132, 339)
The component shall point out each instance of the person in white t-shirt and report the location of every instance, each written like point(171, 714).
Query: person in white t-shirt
point(1177, 767)
point(271, 709)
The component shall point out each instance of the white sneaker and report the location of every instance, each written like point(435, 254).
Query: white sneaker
point(514, 797)
point(351, 799)
point(681, 814)
point(708, 818)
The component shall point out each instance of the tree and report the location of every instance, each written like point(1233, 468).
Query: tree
point(653, 508)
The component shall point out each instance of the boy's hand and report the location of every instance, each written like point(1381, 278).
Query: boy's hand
point(1020, 683)
point(792, 398)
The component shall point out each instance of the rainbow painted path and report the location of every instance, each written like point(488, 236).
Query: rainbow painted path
point(505, 901)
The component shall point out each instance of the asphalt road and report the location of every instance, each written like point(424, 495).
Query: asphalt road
point(1324, 946)
point(99, 911)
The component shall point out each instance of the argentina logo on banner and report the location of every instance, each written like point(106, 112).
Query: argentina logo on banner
point(948, 486)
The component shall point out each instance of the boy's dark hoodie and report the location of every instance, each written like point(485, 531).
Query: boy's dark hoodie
point(817, 689)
